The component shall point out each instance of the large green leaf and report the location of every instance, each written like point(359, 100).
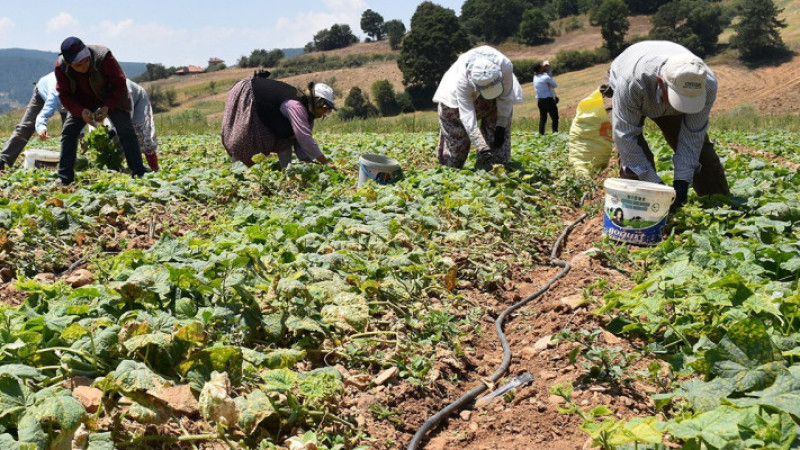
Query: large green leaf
point(716, 427)
point(64, 410)
point(746, 356)
point(322, 383)
point(13, 397)
point(7, 442)
point(784, 394)
point(253, 409)
point(101, 441)
point(349, 312)
point(280, 380)
point(705, 396)
point(132, 376)
point(198, 367)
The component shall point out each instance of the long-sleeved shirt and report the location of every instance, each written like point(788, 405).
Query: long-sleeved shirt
point(46, 88)
point(142, 118)
point(302, 126)
point(634, 78)
point(84, 97)
point(544, 85)
point(456, 91)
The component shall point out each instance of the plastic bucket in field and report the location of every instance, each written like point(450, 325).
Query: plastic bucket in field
point(379, 168)
point(636, 211)
point(37, 158)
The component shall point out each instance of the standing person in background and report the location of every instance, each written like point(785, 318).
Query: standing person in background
point(479, 86)
point(143, 124)
point(44, 103)
point(546, 96)
point(92, 86)
point(667, 83)
point(269, 116)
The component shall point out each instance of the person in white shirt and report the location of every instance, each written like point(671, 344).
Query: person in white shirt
point(43, 104)
point(547, 100)
point(665, 82)
point(479, 86)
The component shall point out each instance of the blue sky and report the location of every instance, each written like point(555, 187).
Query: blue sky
point(184, 32)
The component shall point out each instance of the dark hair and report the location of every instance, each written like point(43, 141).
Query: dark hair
point(537, 68)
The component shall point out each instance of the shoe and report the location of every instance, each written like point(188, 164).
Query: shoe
point(2, 165)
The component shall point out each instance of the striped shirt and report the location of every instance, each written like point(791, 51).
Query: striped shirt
point(633, 76)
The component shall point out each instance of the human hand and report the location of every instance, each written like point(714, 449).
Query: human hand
point(43, 135)
point(499, 137)
point(88, 117)
point(101, 113)
point(556, 99)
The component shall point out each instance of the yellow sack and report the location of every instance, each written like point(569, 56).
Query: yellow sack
point(590, 140)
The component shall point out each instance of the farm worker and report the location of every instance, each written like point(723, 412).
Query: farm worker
point(480, 85)
point(269, 116)
point(546, 97)
point(92, 86)
point(44, 103)
point(143, 124)
point(665, 82)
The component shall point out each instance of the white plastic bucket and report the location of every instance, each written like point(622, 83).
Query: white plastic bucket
point(381, 169)
point(636, 211)
point(37, 158)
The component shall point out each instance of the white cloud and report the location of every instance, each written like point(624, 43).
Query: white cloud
point(345, 5)
point(63, 23)
point(6, 24)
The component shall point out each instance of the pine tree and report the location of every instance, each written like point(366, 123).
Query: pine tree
point(758, 30)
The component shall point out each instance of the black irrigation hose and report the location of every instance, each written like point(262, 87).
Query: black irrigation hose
point(498, 325)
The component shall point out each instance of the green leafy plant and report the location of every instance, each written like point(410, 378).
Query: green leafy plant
point(106, 153)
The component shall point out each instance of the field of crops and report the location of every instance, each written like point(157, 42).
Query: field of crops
point(214, 305)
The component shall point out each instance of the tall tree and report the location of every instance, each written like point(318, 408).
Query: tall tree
point(492, 20)
point(337, 36)
point(758, 30)
point(534, 28)
point(372, 24)
point(645, 6)
point(612, 16)
point(395, 30)
point(433, 44)
point(695, 24)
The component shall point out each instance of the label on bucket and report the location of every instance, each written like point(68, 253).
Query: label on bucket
point(643, 236)
point(379, 168)
point(636, 211)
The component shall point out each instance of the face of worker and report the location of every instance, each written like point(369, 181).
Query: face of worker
point(81, 66)
point(322, 110)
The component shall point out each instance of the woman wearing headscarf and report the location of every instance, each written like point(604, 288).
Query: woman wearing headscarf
point(479, 86)
point(269, 116)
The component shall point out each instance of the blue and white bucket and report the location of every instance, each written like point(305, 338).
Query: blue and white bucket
point(636, 211)
point(378, 168)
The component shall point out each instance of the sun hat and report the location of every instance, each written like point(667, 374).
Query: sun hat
point(486, 77)
point(546, 63)
point(685, 77)
point(74, 50)
point(325, 92)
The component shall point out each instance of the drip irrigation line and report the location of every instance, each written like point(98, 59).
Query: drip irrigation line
point(498, 325)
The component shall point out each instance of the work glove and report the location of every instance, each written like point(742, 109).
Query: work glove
point(499, 137)
point(152, 161)
point(681, 194)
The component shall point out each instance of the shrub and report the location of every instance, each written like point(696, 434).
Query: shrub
point(385, 99)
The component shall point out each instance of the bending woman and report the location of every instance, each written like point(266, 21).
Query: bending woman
point(269, 116)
